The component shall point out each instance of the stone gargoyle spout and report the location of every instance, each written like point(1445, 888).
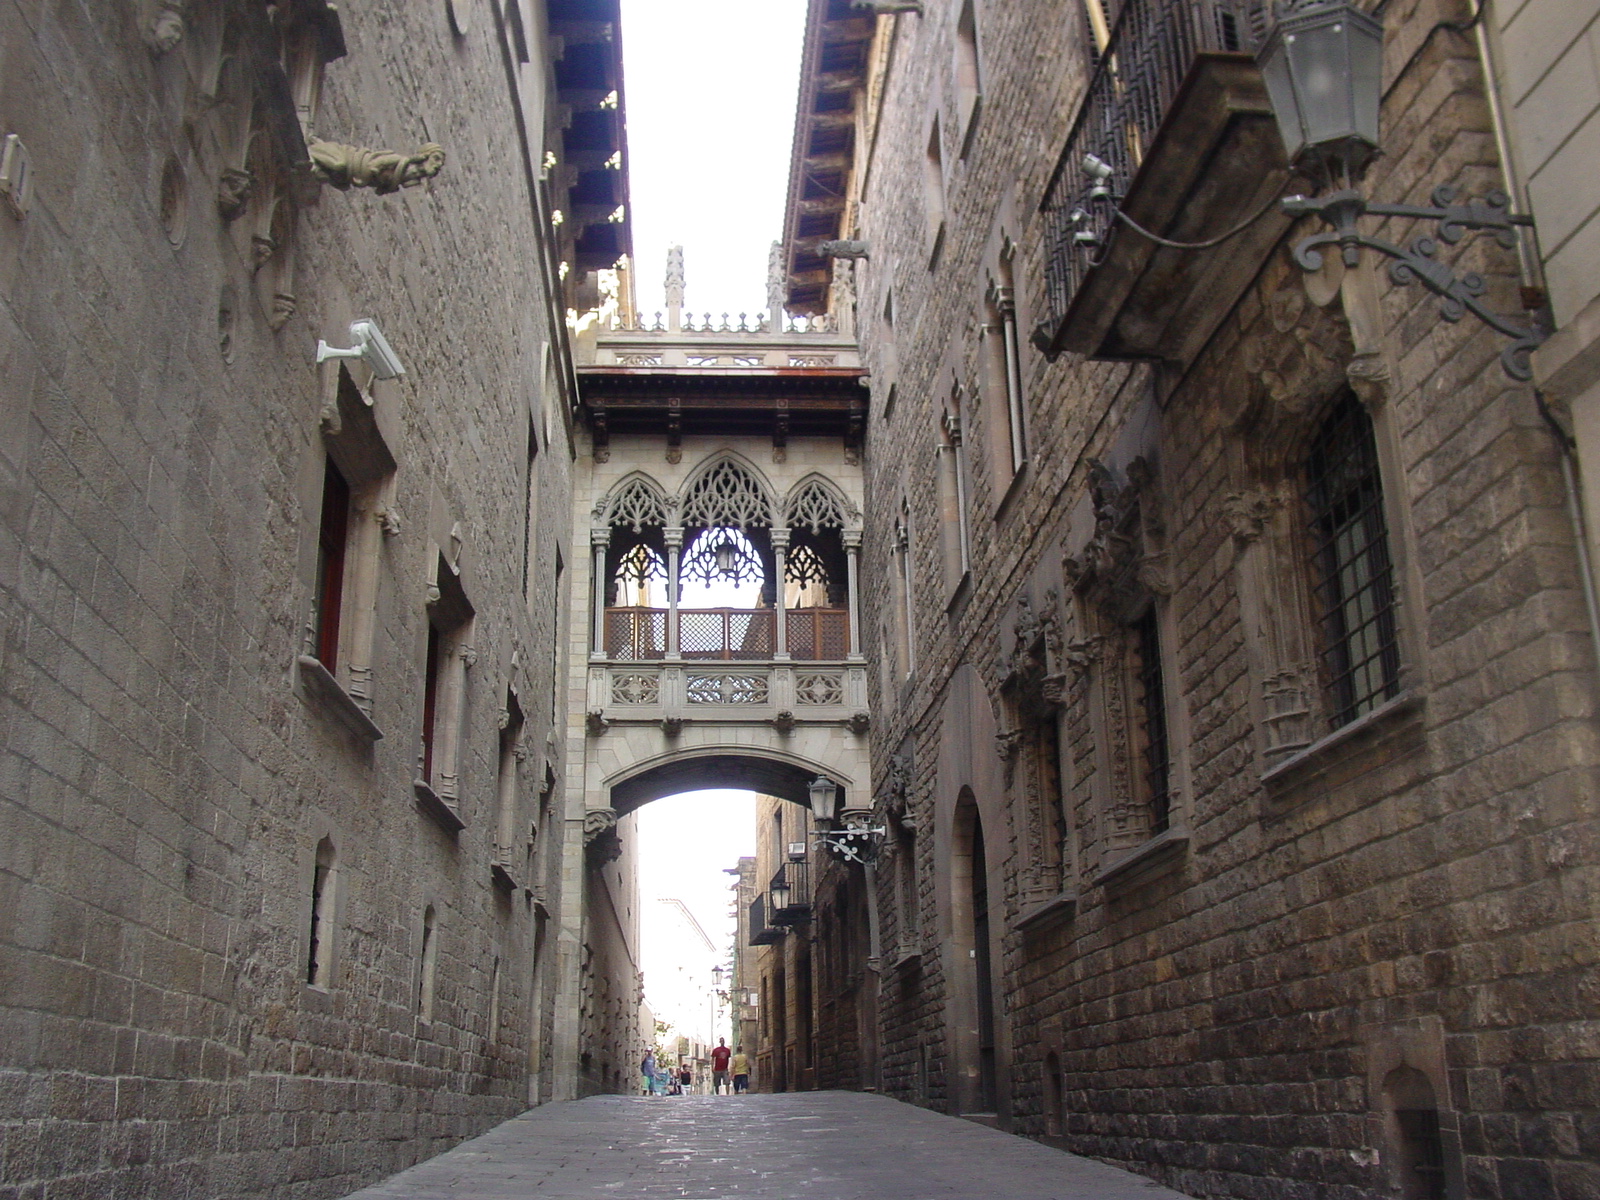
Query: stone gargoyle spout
point(384, 171)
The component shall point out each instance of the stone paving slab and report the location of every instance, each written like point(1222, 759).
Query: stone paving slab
point(798, 1146)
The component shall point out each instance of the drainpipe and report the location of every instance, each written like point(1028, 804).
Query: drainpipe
point(1533, 280)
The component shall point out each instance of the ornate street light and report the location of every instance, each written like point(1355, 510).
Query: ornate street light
point(780, 892)
point(727, 557)
point(1323, 69)
point(824, 797)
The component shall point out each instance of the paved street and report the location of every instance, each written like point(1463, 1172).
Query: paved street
point(826, 1145)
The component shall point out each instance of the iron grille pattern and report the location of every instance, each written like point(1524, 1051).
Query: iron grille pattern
point(727, 689)
point(819, 634)
point(1155, 744)
point(1153, 44)
point(1351, 568)
point(636, 632)
point(730, 633)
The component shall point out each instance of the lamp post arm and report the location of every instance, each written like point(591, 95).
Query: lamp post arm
point(1416, 263)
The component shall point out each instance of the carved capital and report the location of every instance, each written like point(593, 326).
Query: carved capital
point(1370, 379)
point(389, 520)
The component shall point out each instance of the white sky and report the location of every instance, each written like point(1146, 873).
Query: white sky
point(710, 88)
point(684, 844)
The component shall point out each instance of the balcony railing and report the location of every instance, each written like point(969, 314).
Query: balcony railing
point(1153, 46)
point(793, 881)
point(728, 634)
point(762, 933)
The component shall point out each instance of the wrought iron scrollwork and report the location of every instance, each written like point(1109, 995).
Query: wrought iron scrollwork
point(1416, 263)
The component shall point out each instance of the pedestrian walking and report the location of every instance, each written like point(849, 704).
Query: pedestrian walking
point(740, 1064)
point(685, 1078)
point(647, 1068)
point(719, 1066)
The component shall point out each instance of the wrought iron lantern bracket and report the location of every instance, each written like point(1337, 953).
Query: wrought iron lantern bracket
point(1415, 263)
point(853, 843)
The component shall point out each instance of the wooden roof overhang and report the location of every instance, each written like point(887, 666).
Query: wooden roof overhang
point(775, 402)
point(833, 71)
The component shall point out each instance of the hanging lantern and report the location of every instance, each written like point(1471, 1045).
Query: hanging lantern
point(727, 558)
point(1323, 67)
point(824, 796)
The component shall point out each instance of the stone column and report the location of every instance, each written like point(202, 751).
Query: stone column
point(852, 550)
point(599, 539)
point(780, 558)
point(674, 537)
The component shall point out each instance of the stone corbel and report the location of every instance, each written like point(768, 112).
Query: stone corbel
point(784, 722)
point(858, 722)
point(284, 306)
point(384, 171)
point(235, 186)
point(1247, 513)
point(598, 821)
point(1370, 378)
point(162, 27)
point(595, 723)
point(673, 726)
point(389, 520)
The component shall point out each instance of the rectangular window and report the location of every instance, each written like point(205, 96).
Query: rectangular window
point(1155, 760)
point(531, 487)
point(969, 88)
point(933, 191)
point(319, 958)
point(333, 536)
point(430, 702)
point(1353, 579)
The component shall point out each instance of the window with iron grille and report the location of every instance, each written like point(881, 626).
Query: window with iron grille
point(1352, 572)
point(1155, 746)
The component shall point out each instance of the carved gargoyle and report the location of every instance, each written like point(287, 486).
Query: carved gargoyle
point(235, 186)
point(595, 722)
point(597, 821)
point(384, 171)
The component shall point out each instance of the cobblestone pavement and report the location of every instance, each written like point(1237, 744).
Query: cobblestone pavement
point(804, 1146)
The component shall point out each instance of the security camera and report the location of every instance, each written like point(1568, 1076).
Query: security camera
point(370, 346)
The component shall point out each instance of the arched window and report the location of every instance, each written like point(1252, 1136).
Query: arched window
point(637, 514)
point(726, 575)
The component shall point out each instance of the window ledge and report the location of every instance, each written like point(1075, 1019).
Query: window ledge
point(959, 591)
point(337, 702)
point(1316, 756)
point(437, 808)
point(503, 879)
point(904, 956)
point(1061, 907)
point(1166, 847)
point(1019, 478)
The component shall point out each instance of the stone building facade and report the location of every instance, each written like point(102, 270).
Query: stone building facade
point(1232, 683)
point(282, 632)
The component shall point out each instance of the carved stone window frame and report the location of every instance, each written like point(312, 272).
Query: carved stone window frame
point(1119, 575)
point(354, 442)
point(1296, 373)
point(1033, 693)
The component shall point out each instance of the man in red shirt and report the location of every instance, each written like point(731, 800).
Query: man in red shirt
point(719, 1066)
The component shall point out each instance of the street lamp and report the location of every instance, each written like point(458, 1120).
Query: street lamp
point(780, 892)
point(1323, 67)
point(824, 797)
point(727, 557)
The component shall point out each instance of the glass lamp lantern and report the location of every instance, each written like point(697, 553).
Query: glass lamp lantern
point(1323, 67)
point(824, 797)
point(780, 894)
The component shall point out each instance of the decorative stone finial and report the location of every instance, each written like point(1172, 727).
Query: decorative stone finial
point(777, 278)
point(674, 284)
point(384, 171)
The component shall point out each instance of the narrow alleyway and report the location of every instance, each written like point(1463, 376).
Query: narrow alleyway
point(822, 1145)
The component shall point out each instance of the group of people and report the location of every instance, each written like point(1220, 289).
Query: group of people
point(730, 1069)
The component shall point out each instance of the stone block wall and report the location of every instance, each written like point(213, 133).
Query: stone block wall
point(168, 772)
point(1414, 896)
